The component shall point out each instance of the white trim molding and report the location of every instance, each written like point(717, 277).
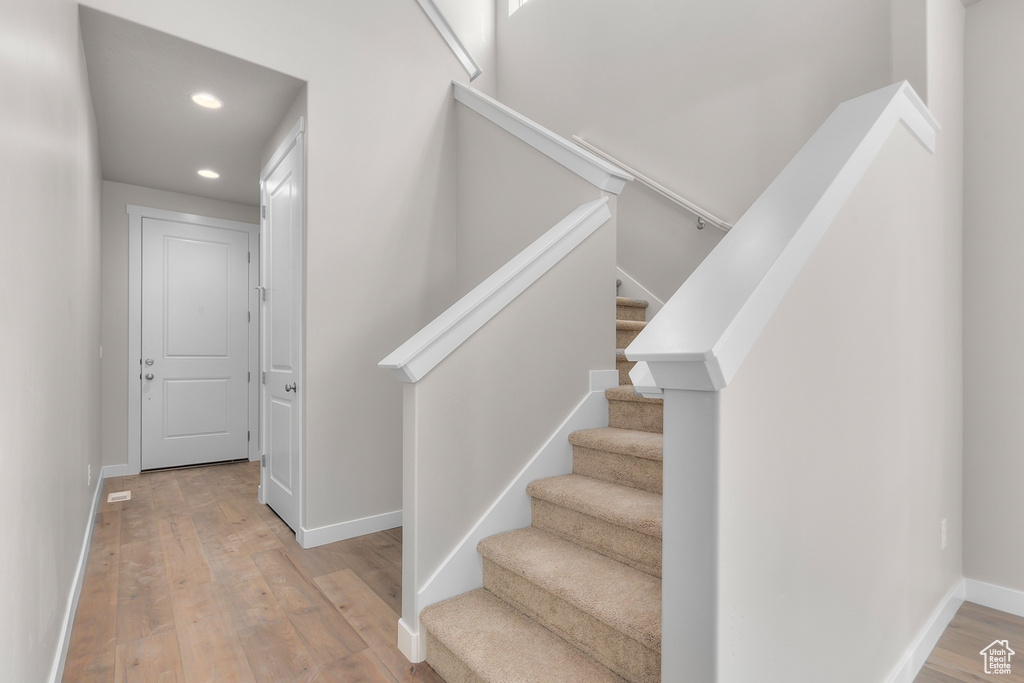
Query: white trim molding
point(699, 340)
point(586, 165)
point(462, 570)
point(331, 533)
point(415, 358)
point(996, 597)
point(917, 653)
point(444, 28)
point(60, 658)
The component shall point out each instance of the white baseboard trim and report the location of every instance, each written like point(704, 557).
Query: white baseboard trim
point(996, 597)
point(110, 471)
point(462, 570)
point(634, 290)
point(917, 653)
point(410, 644)
point(311, 538)
point(57, 670)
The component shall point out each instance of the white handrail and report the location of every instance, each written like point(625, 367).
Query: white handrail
point(415, 358)
point(701, 336)
point(703, 217)
point(590, 167)
point(446, 31)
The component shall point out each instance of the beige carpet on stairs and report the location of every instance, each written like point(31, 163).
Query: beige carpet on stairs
point(575, 597)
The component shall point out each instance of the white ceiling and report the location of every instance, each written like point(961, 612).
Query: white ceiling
point(150, 132)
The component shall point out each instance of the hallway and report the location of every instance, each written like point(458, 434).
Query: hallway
point(193, 580)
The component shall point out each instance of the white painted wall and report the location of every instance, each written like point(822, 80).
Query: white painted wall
point(709, 99)
point(993, 281)
point(115, 286)
point(477, 418)
point(50, 333)
point(380, 213)
point(841, 436)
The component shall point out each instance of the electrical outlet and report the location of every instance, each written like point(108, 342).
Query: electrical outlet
point(89, 472)
point(945, 537)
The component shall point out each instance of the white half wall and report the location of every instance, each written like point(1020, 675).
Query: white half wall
point(842, 432)
point(50, 330)
point(476, 419)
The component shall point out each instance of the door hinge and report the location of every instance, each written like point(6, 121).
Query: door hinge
point(263, 211)
point(249, 379)
point(264, 376)
point(248, 315)
point(250, 257)
point(248, 435)
point(263, 460)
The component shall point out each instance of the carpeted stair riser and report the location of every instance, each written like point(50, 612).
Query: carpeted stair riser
point(626, 331)
point(447, 665)
point(639, 415)
point(630, 309)
point(478, 638)
point(617, 468)
point(630, 312)
point(626, 458)
point(616, 521)
point(633, 548)
point(624, 366)
point(610, 611)
point(621, 654)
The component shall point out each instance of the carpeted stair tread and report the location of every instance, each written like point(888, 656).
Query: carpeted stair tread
point(630, 303)
point(496, 642)
point(623, 598)
point(646, 445)
point(627, 507)
point(630, 325)
point(626, 393)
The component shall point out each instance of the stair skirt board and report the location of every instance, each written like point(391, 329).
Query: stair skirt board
point(462, 570)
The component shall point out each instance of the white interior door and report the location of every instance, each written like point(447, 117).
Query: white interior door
point(281, 238)
point(195, 344)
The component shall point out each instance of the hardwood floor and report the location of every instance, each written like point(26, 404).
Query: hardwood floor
point(957, 657)
point(193, 580)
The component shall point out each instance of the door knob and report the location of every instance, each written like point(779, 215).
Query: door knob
point(149, 375)
point(149, 361)
point(290, 387)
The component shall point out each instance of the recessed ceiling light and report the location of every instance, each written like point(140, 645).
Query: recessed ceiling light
point(205, 99)
point(207, 173)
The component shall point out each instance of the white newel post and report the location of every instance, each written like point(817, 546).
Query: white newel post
point(689, 599)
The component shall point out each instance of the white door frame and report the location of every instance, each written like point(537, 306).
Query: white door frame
point(294, 139)
point(135, 216)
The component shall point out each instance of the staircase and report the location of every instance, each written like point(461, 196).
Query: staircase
point(576, 597)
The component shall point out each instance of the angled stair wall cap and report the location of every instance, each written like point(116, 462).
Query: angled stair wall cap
point(716, 316)
point(587, 165)
point(427, 348)
point(451, 38)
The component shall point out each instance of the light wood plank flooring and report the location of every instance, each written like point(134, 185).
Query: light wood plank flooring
point(193, 580)
point(957, 658)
